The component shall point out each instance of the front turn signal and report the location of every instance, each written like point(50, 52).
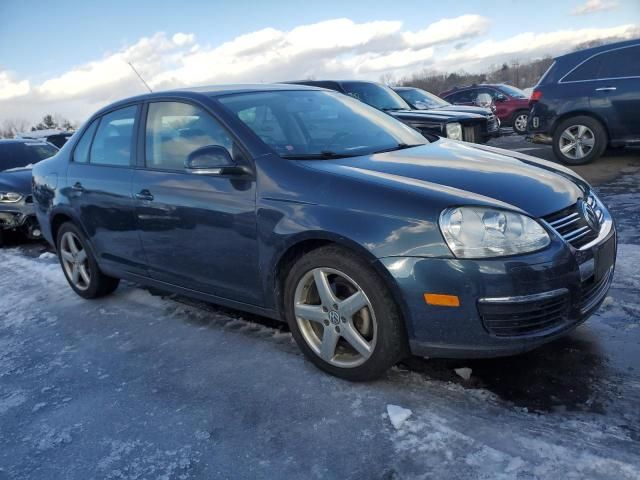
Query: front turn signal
point(442, 300)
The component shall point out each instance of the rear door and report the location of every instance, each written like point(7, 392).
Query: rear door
point(99, 189)
point(616, 93)
point(197, 231)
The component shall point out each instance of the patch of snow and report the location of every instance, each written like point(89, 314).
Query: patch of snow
point(398, 415)
point(48, 256)
point(464, 372)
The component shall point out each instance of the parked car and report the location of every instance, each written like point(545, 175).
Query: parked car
point(309, 206)
point(455, 125)
point(419, 99)
point(53, 136)
point(16, 201)
point(587, 101)
point(512, 104)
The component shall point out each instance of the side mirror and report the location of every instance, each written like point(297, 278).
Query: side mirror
point(213, 160)
point(501, 98)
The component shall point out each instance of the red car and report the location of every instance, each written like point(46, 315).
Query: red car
point(512, 104)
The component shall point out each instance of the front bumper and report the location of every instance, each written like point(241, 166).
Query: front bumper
point(20, 217)
point(507, 306)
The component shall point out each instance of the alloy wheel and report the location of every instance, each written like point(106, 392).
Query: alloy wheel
point(335, 317)
point(520, 123)
point(577, 141)
point(75, 261)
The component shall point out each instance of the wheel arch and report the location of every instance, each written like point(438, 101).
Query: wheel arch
point(302, 245)
point(58, 218)
point(580, 113)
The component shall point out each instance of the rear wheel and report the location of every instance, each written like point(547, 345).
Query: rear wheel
point(520, 120)
point(79, 264)
point(579, 140)
point(342, 315)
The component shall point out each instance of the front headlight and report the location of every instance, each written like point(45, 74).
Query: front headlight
point(454, 131)
point(478, 232)
point(10, 197)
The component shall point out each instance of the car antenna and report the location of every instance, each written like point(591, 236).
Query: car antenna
point(140, 77)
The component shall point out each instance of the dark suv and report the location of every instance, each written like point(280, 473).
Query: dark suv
point(589, 100)
point(512, 104)
point(456, 125)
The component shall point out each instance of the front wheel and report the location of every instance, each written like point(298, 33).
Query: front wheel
point(342, 315)
point(80, 266)
point(579, 140)
point(520, 122)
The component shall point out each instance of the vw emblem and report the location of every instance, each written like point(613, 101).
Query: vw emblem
point(334, 317)
point(589, 214)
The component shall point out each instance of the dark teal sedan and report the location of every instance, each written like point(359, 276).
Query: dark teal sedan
point(305, 205)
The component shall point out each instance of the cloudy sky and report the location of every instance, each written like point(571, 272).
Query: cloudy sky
point(70, 57)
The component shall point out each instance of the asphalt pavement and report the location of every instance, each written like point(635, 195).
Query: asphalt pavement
point(144, 385)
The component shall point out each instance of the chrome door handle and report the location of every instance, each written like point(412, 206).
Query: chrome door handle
point(605, 89)
point(77, 187)
point(144, 195)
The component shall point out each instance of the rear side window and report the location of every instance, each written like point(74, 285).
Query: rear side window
point(624, 62)
point(587, 71)
point(466, 96)
point(112, 144)
point(175, 130)
point(81, 153)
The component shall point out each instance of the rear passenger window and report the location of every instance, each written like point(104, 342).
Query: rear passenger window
point(112, 144)
point(587, 71)
point(175, 129)
point(624, 62)
point(81, 153)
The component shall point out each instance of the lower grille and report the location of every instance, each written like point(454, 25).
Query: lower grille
point(525, 315)
point(592, 292)
point(29, 199)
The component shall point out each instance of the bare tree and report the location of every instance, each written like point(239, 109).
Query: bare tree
point(11, 126)
point(389, 79)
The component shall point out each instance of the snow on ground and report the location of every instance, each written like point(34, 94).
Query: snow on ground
point(143, 386)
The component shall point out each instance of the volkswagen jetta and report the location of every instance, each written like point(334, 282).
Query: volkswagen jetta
point(306, 205)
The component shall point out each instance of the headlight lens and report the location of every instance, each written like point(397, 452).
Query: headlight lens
point(10, 197)
point(477, 232)
point(454, 131)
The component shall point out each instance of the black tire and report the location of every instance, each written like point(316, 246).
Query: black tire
point(391, 344)
point(519, 127)
point(100, 284)
point(1, 238)
point(599, 135)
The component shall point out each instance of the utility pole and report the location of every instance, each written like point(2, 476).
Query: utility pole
point(140, 77)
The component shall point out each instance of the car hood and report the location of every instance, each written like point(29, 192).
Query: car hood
point(437, 115)
point(16, 180)
point(469, 175)
point(464, 109)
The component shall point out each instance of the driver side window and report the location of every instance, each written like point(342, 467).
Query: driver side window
point(174, 130)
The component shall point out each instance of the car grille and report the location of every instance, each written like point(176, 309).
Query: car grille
point(471, 134)
point(572, 225)
point(514, 318)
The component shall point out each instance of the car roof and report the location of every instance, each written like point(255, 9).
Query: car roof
point(207, 90)
point(30, 141)
point(588, 52)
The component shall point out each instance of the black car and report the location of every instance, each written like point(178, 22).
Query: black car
point(16, 201)
point(419, 99)
point(455, 125)
point(589, 100)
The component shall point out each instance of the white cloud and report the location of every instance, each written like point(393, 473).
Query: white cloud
point(339, 48)
point(592, 6)
point(10, 88)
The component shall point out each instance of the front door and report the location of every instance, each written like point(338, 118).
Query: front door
point(99, 189)
point(197, 231)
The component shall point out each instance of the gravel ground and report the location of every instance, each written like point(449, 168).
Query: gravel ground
point(142, 386)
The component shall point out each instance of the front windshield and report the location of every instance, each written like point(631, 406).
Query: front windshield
point(22, 154)
point(513, 92)
point(378, 96)
point(422, 100)
point(319, 124)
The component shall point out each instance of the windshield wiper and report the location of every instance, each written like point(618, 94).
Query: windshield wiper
point(399, 146)
point(392, 109)
point(326, 154)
